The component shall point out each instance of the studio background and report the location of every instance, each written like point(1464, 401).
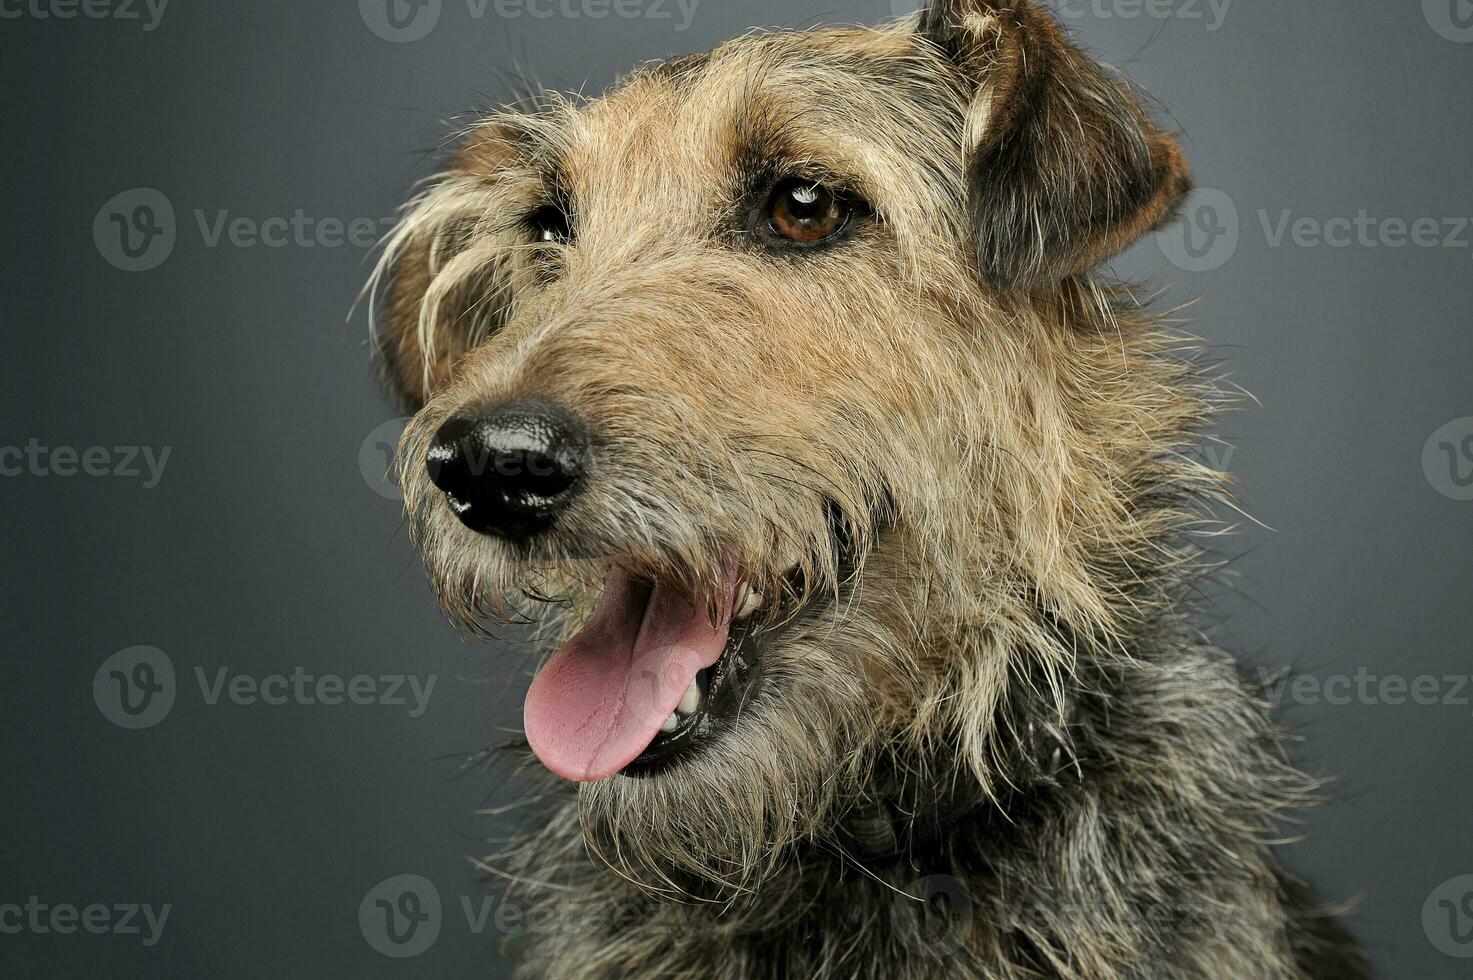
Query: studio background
point(150, 303)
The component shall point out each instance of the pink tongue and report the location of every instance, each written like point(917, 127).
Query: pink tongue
point(601, 699)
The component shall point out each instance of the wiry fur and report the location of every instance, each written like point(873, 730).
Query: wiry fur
point(993, 694)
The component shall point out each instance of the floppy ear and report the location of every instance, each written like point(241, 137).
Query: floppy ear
point(450, 267)
point(1065, 167)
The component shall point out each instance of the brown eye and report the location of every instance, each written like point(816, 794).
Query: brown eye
point(550, 226)
point(807, 213)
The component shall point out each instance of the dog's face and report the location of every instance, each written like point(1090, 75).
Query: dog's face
point(745, 364)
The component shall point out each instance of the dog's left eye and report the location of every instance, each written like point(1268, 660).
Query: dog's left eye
point(808, 213)
point(550, 225)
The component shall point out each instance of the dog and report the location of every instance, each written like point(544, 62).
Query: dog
point(857, 509)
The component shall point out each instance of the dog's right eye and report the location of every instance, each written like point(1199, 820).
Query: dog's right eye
point(550, 225)
point(806, 214)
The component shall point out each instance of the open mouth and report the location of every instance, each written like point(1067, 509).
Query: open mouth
point(650, 678)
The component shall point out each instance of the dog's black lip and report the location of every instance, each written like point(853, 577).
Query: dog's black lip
point(729, 685)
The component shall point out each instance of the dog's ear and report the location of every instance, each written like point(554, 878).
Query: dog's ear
point(1065, 166)
point(450, 267)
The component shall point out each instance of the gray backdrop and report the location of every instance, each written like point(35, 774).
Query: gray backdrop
point(151, 304)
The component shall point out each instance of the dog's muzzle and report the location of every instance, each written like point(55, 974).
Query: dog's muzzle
point(509, 471)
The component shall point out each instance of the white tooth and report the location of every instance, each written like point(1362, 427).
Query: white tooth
point(751, 601)
point(690, 701)
point(670, 724)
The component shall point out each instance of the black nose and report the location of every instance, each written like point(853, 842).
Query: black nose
point(511, 471)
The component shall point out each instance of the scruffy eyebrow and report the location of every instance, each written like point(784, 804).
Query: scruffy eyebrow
point(538, 141)
point(773, 138)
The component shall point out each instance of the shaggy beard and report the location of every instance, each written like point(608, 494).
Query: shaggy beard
point(719, 824)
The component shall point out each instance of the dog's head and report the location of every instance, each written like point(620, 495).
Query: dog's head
point(781, 370)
